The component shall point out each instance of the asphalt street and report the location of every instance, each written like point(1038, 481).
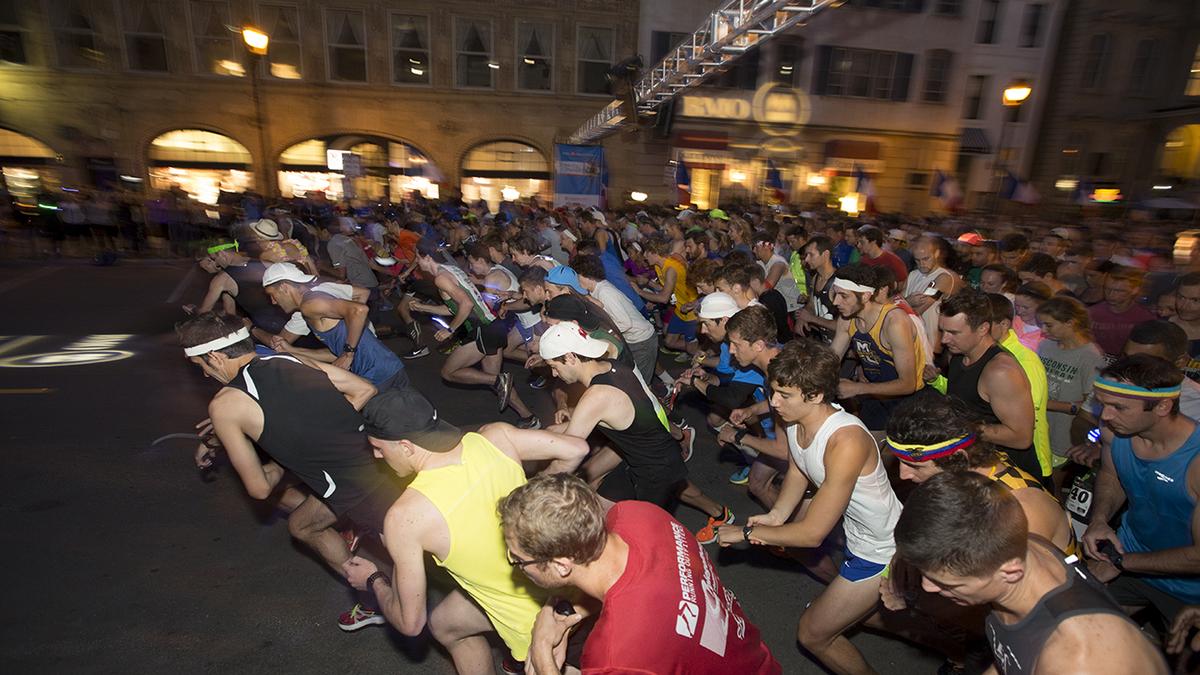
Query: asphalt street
point(119, 558)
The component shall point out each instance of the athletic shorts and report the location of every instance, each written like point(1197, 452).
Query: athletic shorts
point(732, 395)
point(678, 326)
point(526, 332)
point(368, 514)
point(855, 569)
point(492, 338)
point(1130, 591)
point(619, 485)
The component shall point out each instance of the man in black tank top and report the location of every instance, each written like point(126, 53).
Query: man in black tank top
point(618, 403)
point(305, 417)
point(987, 379)
point(1048, 614)
point(238, 280)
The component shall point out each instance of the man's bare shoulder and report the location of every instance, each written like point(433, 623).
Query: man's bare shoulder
point(1099, 643)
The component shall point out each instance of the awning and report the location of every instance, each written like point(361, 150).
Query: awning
point(974, 140)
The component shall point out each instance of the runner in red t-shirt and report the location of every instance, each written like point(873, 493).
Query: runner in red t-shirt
point(657, 585)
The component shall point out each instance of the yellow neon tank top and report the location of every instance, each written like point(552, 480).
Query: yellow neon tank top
point(466, 495)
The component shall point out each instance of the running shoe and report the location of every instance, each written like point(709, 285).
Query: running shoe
point(667, 350)
point(741, 476)
point(688, 442)
point(683, 357)
point(360, 617)
point(538, 382)
point(414, 331)
point(708, 533)
point(415, 353)
point(532, 422)
point(503, 388)
point(512, 666)
point(351, 538)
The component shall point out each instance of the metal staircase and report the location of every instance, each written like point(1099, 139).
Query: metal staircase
point(727, 33)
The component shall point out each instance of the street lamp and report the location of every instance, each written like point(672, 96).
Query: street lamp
point(257, 43)
point(256, 40)
point(1016, 93)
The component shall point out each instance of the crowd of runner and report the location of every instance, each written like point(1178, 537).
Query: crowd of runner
point(978, 435)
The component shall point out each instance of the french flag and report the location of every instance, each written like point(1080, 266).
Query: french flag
point(865, 186)
point(775, 181)
point(946, 189)
point(683, 182)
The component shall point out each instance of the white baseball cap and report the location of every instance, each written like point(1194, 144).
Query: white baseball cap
point(285, 271)
point(568, 338)
point(718, 306)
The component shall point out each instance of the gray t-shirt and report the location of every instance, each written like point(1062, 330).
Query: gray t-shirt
point(1069, 376)
point(345, 253)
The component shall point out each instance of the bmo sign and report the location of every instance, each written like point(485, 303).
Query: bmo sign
point(716, 107)
point(777, 109)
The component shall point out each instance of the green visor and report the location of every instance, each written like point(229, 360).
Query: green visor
point(213, 250)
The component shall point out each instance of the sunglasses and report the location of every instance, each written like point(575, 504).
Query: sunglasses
point(518, 562)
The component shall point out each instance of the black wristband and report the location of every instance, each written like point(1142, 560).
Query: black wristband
point(741, 433)
point(377, 575)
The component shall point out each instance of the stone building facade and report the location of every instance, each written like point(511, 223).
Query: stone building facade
point(1124, 103)
point(89, 85)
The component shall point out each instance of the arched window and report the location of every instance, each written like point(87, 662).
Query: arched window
point(504, 171)
point(202, 163)
point(382, 168)
point(26, 164)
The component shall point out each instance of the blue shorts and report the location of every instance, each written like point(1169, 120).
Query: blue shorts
point(526, 333)
point(680, 327)
point(856, 569)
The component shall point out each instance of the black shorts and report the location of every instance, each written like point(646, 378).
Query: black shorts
point(492, 338)
point(619, 485)
point(367, 515)
point(425, 290)
point(1130, 591)
point(732, 395)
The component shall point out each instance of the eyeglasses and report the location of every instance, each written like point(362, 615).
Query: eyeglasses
point(518, 562)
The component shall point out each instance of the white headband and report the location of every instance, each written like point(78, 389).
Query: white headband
point(570, 235)
point(220, 343)
point(847, 285)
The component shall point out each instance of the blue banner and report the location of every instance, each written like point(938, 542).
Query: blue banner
point(578, 175)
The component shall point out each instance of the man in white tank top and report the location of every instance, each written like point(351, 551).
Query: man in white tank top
point(833, 450)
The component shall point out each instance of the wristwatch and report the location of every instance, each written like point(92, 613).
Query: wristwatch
point(747, 530)
point(741, 433)
point(1118, 561)
point(1074, 409)
point(349, 349)
point(377, 575)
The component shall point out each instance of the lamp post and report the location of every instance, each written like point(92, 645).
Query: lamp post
point(257, 42)
point(1016, 93)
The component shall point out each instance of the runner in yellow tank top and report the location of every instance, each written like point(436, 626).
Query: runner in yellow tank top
point(449, 511)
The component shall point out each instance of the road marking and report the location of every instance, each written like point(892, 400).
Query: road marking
point(13, 343)
point(27, 390)
point(182, 285)
point(24, 279)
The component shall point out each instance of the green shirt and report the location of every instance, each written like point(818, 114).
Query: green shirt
point(796, 266)
point(1035, 372)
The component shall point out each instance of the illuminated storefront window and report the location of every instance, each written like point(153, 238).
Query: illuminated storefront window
point(27, 166)
point(505, 171)
point(357, 167)
point(202, 163)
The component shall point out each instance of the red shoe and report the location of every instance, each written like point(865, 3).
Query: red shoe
point(360, 617)
point(351, 538)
